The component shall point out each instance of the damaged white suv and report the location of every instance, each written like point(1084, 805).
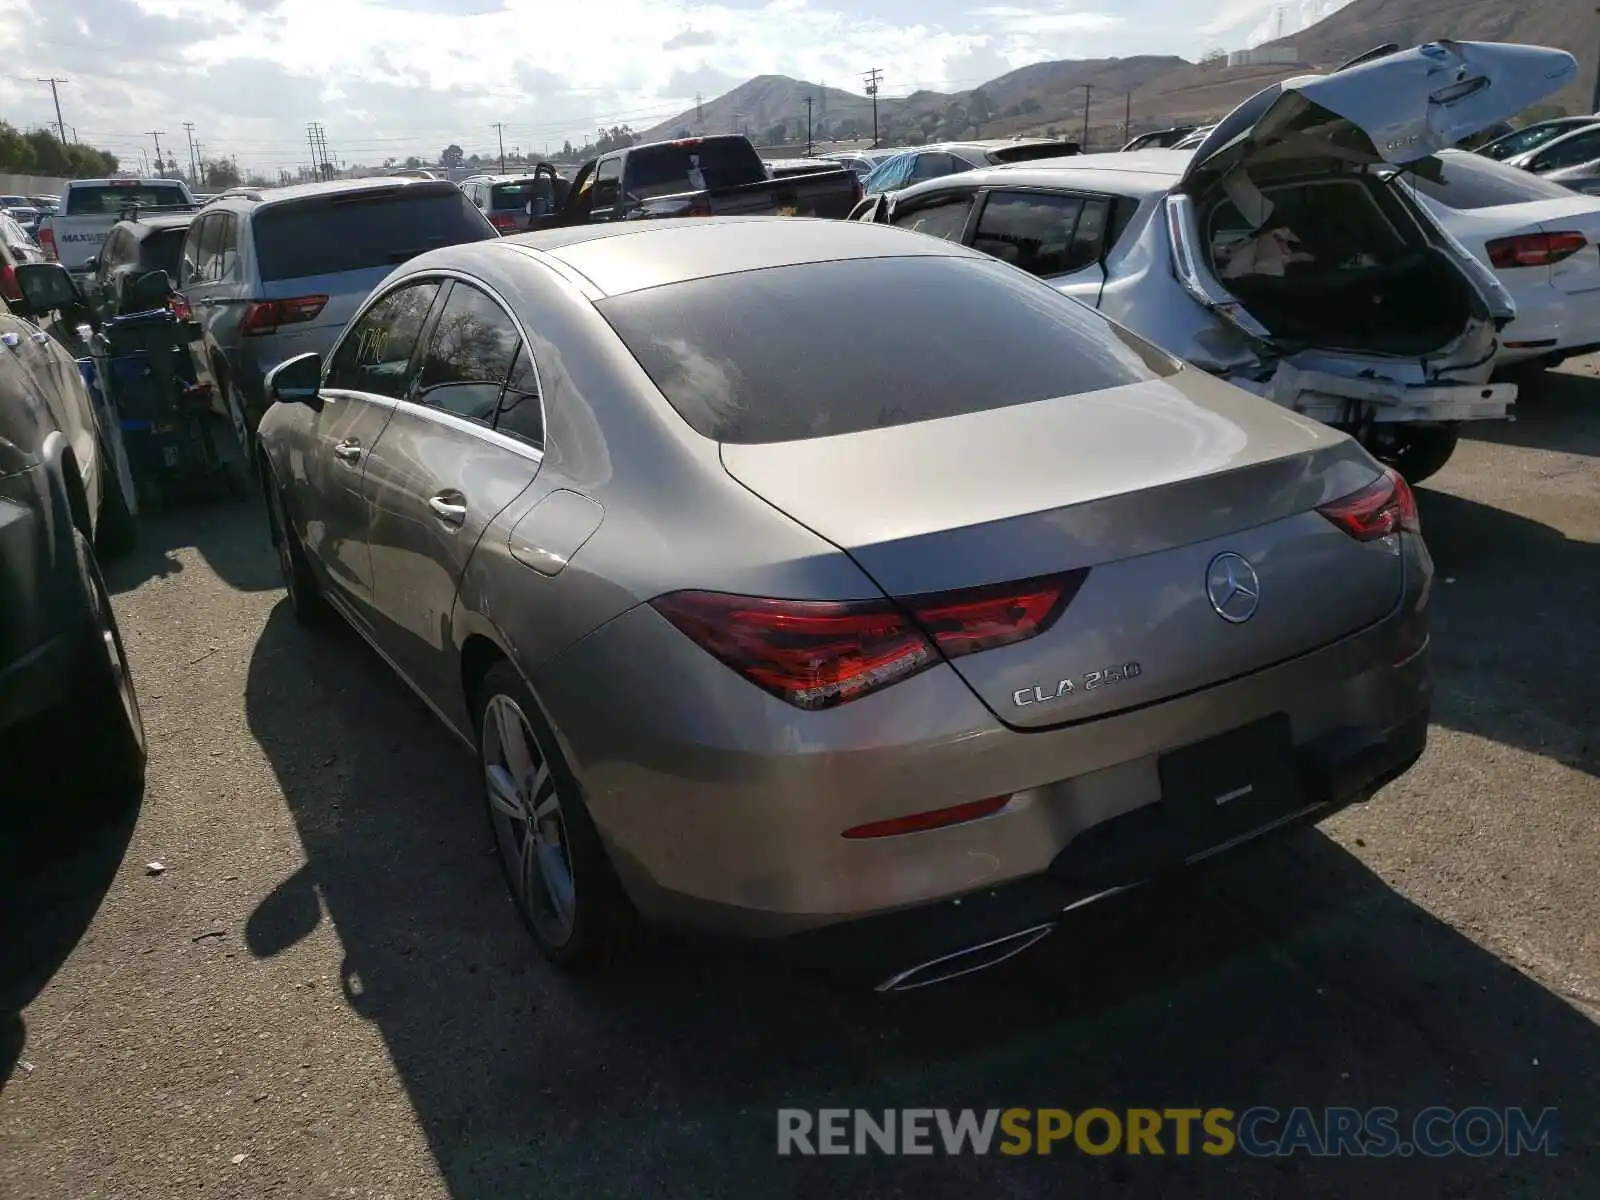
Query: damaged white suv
point(1279, 254)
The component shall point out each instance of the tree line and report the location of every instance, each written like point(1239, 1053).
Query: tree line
point(41, 152)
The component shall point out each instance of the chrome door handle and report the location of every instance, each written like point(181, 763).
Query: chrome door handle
point(447, 510)
point(348, 451)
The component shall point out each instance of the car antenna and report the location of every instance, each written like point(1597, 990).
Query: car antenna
point(1376, 52)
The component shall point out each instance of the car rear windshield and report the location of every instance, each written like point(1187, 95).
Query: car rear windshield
point(791, 353)
point(163, 250)
point(354, 231)
point(1027, 153)
point(1470, 181)
point(516, 195)
point(113, 198)
point(670, 169)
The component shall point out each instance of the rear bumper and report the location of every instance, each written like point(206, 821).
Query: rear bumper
point(1121, 854)
point(1551, 326)
point(723, 808)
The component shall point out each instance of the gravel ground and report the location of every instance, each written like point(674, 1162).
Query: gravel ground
point(325, 992)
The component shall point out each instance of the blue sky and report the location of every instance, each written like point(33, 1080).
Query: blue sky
point(396, 77)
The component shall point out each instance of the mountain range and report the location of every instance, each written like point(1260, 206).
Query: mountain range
point(1143, 92)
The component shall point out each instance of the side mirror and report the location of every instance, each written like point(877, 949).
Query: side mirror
point(45, 288)
point(296, 380)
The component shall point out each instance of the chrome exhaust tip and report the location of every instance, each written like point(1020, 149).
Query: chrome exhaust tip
point(966, 961)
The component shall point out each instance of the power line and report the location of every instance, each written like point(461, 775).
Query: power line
point(874, 79)
point(55, 94)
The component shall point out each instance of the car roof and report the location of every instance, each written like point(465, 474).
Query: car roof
point(1132, 173)
point(267, 197)
point(628, 257)
point(145, 226)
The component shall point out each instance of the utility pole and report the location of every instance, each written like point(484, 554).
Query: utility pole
point(161, 165)
point(809, 102)
point(699, 113)
point(500, 129)
point(194, 163)
point(874, 77)
point(1088, 91)
point(311, 141)
point(61, 126)
point(1593, 107)
point(1127, 117)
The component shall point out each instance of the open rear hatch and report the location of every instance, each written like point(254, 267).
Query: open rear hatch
point(1077, 556)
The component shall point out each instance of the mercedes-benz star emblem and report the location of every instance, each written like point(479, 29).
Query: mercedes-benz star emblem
point(1233, 588)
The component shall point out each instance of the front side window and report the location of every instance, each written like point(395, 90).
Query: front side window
point(1584, 147)
point(607, 183)
point(469, 356)
point(375, 354)
point(932, 166)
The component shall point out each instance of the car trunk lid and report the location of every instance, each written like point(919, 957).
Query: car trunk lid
point(1146, 492)
point(1399, 108)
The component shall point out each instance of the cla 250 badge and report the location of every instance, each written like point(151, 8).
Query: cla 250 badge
point(1044, 693)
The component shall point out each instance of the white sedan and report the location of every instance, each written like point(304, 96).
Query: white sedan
point(1540, 239)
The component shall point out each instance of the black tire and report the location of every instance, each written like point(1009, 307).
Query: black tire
point(103, 759)
point(116, 529)
point(1418, 452)
point(306, 600)
point(602, 923)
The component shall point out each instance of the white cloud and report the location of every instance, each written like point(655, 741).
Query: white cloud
point(398, 77)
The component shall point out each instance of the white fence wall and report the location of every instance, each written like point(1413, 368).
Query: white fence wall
point(31, 185)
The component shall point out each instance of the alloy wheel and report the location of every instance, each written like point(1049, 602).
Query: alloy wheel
point(529, 822)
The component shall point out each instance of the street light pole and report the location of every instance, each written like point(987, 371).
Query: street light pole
point(1594, 105)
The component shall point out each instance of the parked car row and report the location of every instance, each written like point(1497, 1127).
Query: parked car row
point(1093, 600)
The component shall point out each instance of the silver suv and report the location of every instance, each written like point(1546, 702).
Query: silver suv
point(275, 273)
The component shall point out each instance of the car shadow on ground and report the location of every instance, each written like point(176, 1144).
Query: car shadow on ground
point(213, 528)
point(1515, 637)
point(1292, 976)
point(59, 862)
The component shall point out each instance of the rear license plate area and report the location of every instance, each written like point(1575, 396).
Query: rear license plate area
point(1229, 785)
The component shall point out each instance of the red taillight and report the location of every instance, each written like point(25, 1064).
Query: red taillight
point(1385, 506)
point(47, 243)
point(265, 316)
point(179, 304)
point(936, 818)
point(8, 283)
point(1534, 249)
point(504, 222)
point(816, 654)
point(687, 142)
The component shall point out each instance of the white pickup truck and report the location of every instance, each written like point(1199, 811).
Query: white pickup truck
point(89, 208)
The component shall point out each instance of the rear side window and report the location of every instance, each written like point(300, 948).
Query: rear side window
point(932, 166)
point(1469, 181)
point(356, 231)
point(376, 351)
point(670, 169)
point(469, 356)
point(520, 414)
point(1042, 233)
point(755, 379)
point(112, 198)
